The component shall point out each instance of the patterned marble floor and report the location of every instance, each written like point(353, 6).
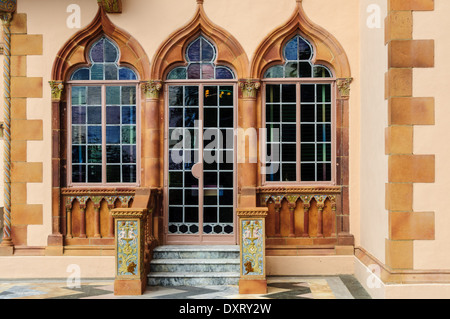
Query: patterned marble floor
point(337, 287)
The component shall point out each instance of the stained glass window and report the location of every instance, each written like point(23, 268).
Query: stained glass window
point(200, 57)
point(298, 54)
point(104, 56)
point(298, 117)
point(103, 120)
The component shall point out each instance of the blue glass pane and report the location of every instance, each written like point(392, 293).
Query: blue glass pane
point(129, 135)
point(94, 95)
point(207, 71)
point(97, 52)
point(113, 135)
point(176, 96)
point(129, 154)
point(207, 51)
point(94, 135)
point(194, 72)
point(78, 95)
point(79, 135)
point(126, 74)
point(223, 73)
point(275, 72)
point(113, 174)
point(79, 154)
point(291, 50)
point(110, 72)
point(129, 174)
point(305, 70)
point(97, 72)
point(112, 154)
point(304, 50)
point(191, 116)
point(95, 154)
point(94, 115)
point(94, 174)
point(112, 95)
point(321, 72)
point(111, 54)
point(128, 95)
point(291, 70)
point(177, 74)
point(81, 75)
point(78, 115)
point(79, 173)
point(193, 54)
point(113, 115)
point(128, 115)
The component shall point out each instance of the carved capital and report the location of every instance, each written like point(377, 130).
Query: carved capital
point(152, 89)
point(57, 90)
point(249, 87)
point(343, 85)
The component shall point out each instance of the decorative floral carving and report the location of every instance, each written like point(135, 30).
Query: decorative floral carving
point(112, 6)
point(152, 89)
point(249, 87)
point(127, 247)
point(344, 86)
point(57, 89)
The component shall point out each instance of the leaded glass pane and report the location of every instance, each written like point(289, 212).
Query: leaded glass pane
point(177, 74)
point(81, 75)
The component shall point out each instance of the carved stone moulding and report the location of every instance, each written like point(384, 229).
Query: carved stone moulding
point(299, 190)
point(97, 191)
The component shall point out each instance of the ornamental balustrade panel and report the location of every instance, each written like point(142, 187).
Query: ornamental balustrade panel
point(87, 218)
point(301, 216)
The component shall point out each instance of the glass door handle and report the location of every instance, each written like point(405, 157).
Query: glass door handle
point(197, 170)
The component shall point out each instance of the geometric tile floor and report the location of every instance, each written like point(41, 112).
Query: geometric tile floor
point(288, 288)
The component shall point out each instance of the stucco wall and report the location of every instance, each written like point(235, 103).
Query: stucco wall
point(151, 22)
point(434, 139)
point(374, 116)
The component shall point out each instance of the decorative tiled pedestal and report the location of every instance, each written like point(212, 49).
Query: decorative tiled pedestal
point(130, 240)
point(252, 247)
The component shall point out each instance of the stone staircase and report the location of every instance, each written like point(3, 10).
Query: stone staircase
point(194, 266)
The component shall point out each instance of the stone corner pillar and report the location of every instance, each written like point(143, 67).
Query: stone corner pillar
point(252, 242)
point(130, 274)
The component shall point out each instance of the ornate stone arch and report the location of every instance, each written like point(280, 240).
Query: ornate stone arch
point(171, 52)
point(328, 51)
point(74, 52)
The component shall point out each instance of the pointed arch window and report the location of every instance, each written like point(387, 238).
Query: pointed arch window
point(298, 114)
point(103, 134)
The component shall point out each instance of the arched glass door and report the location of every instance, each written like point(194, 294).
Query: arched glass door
point(200, 179)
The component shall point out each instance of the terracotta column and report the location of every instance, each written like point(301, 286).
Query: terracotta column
point(248, 142)
point(129, 242)
point(253, 250)
point(55, 240)
point(151, 135)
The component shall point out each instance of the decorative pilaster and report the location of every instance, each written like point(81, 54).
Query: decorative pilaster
point(253, 250)
point(55, 240)
point(7, 246)
point(152, 124)
point(130, 244)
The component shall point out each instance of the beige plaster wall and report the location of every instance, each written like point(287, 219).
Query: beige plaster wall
point(434, 139)
point(151, 22)
point(374, 116)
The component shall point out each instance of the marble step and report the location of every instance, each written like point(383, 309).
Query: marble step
point(174, 279)
point(195, 265)
point(196, 252)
